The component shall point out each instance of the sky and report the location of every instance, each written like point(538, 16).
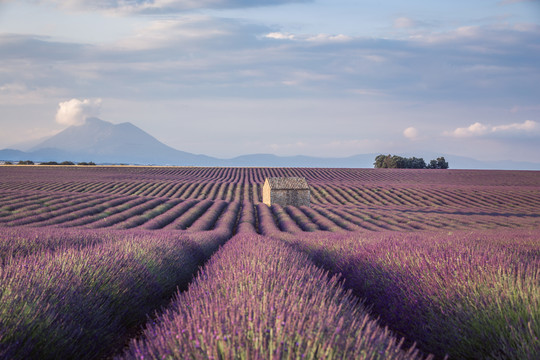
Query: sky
point(326, 78)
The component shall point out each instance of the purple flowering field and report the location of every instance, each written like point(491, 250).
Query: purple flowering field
point(188, 263)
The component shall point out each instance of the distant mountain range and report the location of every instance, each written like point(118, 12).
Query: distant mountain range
point(105, 143)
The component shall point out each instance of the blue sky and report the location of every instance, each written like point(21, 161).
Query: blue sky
point(322, 78)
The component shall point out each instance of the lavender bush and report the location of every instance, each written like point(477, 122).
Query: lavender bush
point(208, 219)
point(470, 295)
point(127, 203)
point(83, 303)
point(16, 242)
point(185, 220)
point(126, 213)
point(246, 222)
point(284, 220)
point(265, 219)
point(166, 218)
point(137, 220)
point(258, 299)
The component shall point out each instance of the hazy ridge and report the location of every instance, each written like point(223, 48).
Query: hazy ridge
point(105, 143)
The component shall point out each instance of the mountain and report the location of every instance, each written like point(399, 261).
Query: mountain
point(105, 143)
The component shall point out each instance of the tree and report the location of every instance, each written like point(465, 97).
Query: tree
point(26, 162)
point(398, 162)
point(440, 163)
point(379, 161)
point(416, 163)
point(388, 161)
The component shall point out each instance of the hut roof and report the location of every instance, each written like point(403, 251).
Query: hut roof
point(287, 183)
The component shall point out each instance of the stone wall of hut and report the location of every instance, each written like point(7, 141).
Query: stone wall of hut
point(286, 197)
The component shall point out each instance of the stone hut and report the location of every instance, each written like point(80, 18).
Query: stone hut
point(286, 191)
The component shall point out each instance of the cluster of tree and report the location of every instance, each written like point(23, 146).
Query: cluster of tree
point(67, 163)
point(25, 162)
point(30, 162)
point(398, 162)
point(55, 163)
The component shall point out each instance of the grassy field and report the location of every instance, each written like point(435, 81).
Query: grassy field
point(101, 262)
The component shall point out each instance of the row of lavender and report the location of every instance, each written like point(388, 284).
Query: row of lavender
point(525, 199)
point(21, 241)
point(276, 219)
point(488, 198)
point(258, 299)
point(472, 295)
point(95, 211)
point(103, 174)
point(202, 215)
point(124, 212)
point(83, 293)
point(76, 294)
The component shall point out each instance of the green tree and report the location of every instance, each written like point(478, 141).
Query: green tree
point(389, 162)
point(416, 163)
point(439, 163)
point(399, 162)
point(25, 162)
point(379, 161)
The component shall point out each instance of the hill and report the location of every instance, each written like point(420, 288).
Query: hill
point(105, 143)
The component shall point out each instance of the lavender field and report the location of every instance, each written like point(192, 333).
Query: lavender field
point(188, 263)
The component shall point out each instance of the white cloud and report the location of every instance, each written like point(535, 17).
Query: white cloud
point(475, 129)
point(411, 133)
point(479, 129)
point(279, 36)
point(317, 38)
point(75, 111)
point(329, 38)
point(527, 125)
